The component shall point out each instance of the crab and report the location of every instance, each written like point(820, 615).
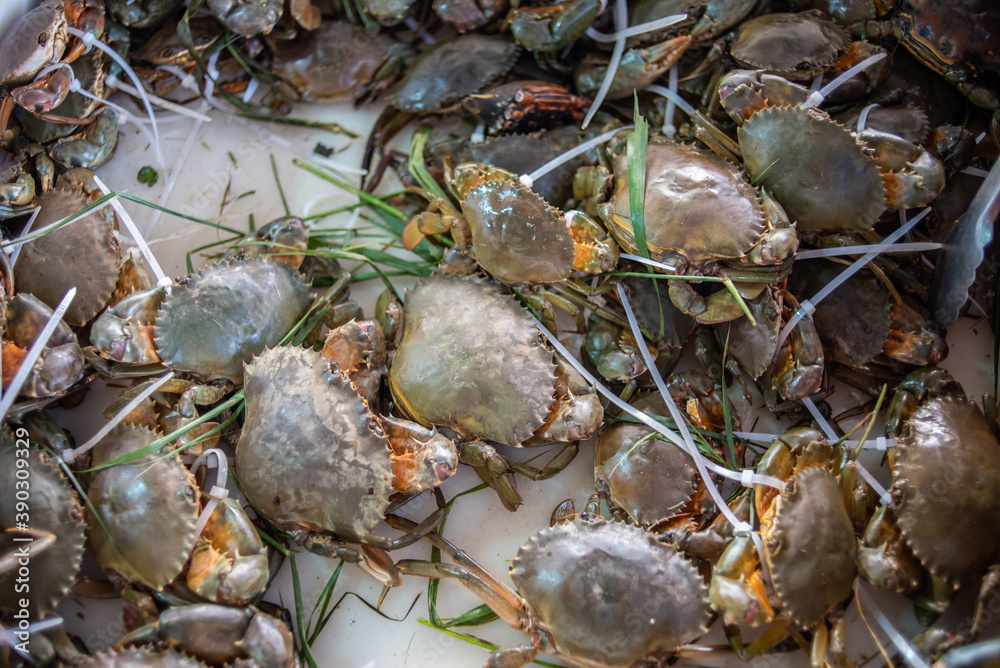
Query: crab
point(718, 17)
point(519, 107)
point(206, 324)
point(497, 384)
point(438, 78)
point(794, 370)
point(809, 545)
point(338, 60)
point(248, 18)
point(513, 234)
point(141, 521)
point(596, 594)
point(826, 177)
point(940, 526)
point(60, 365)
point(55, 541)
point(639, 67)
point(701, 217)
point(553, 27)
point(142, 13)
point(84, 254)
point(218, 634)
point(322, 438)
point(860, 320)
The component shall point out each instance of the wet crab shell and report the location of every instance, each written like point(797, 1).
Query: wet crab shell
point(147, 510)
point(451, 70)
point(696, 206)
point(83, 254)
point(814, 167)
point(795, 46)
point(945, 488)
point(517, 236)
point(214, 321)
point(810, 546)
point(652, 480)
point(315, 458)
point(55, 508)
point(470, 359)
point(608, 594)
point(140, 657)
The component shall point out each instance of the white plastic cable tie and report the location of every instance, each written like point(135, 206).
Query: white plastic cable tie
point(526, 180)
point(975, 171)
point(648, 262)
point(881, 444)
point(863, 116)
point(16, 250)
point(479, 134)
point(621, 22)
point(981, 137)
point(672, 97)
point(133, 230)
point(669, 129)
point(425, 36)
point(756, 437)
point(33, 353)
point(884, 497)
point(815, 99)
point(251, 89)
point(910, 655)
point(805, 310)
point(70, 455)
point(742, 529)
point(165, 282)
point(746, 478)
point(573, 152)
point(824, 426)
point(114, 82)
point(639, 29)
point(89, 40)
point(45, 71)
point(911, 247)
point(218, 492)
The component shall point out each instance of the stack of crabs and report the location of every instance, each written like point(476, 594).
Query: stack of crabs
point(696, 260)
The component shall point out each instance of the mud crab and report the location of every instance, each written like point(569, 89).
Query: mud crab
point(232, 309)
point(449, 371)
point(323, 418)
point(809, 544)
point(860, 320)
point(513, 233)
point(946, 450)
point(61, 363)
point(142, 525)
point(553, 27)
point(85, 253)
point(596, 594)
point(217, 635)
point(826, 177)
point(701, 217)
point(57, 527)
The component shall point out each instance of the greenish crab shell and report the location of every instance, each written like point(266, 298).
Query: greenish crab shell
point(451, 70)
point(54, 507)
point(147, 510)
point(697, 207)
point(470, 359)
point(945, 482)
point(810, 546)
point(793, 45)
point(215, 320)
point(609, 595)
point(311, 455)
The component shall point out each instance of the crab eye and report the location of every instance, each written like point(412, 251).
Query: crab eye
point(520, 97)
point(42, 38)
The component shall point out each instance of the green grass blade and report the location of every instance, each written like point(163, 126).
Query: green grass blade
point(417, 167)
point(636, 153)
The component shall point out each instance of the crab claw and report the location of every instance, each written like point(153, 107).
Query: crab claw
point(421, 458)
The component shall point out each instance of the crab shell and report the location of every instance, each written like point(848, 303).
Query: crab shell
point(311, 455)
point(810, 546)
point(795, 46)
point(696, 206)
point(83, 254)
point(147, 510)
point(607, 594)
point(451, 70)
point(140, 657)
point(471, 360)
point(214, 321)
point(945, 488)
point(55, 508)
point(652, 480)
point(814, 167)
point(517, 236)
